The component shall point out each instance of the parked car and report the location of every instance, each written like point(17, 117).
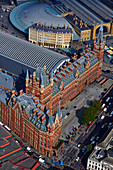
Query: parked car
point(102, 126)
point(92, 142)
point(111, 113)
point(102, 117)
point(109, 124)
point(97, 138)
point(77, 159)
point(79, 145)
point(92, 138)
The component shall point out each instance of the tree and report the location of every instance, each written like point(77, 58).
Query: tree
point(89, 115)
point(97, 104)
point(89, 148)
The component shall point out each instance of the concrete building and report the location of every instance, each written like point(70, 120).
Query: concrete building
point(102, 156)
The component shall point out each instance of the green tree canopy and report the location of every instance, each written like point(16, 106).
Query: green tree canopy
point(89, 148)
point(89, 115)
point(97, 104)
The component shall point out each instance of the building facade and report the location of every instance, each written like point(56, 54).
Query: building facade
point(102, 156)
point(35, 115)
point(51, 37)
point(26, 117)
point(87, 18)
point(70, 79)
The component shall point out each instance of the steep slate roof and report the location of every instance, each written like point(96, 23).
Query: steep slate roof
point(29, 54)
point(39, 118)
point(6, 80)
point(71, 76)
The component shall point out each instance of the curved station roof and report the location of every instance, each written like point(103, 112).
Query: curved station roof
point(29, 54)
point(33, 12)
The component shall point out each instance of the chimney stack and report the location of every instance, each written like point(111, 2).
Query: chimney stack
point(14, 101)
point(6, 79)
point(21, 92)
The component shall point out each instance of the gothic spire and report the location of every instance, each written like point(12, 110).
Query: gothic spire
point(100, 34)
point(27, 75)
point(51, 119)
point(59, 111)
point(51, 74)
point(41, 79)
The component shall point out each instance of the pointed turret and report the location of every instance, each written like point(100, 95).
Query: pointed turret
point(51, 74)
point(59, 111)
point(41, 79)
point(51, 119)
point(27, 82)
point(100, 34)
point(27, 75)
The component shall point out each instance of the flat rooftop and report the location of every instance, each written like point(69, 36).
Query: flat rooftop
point(12, 154)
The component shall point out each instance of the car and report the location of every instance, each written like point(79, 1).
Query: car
point(109, 124)
point(92, 138)
point(102, 117)
point(103, 105)
point(107, 99)
point(87, 131)
point(102, 126)
point(28, 149)
point(111, 113)
point(105, 109)
point(107, 71)
point(77, 159)
point(65, 117)
point(97, 138)
point(92, 142)
point(104, 70)
point(79, 145)
point(84, 148)
point(105, 89)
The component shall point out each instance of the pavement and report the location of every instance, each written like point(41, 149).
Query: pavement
point(7, 27)
point(91, 92)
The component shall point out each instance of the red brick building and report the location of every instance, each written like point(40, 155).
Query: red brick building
point(35, 115)
point(70, 79)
